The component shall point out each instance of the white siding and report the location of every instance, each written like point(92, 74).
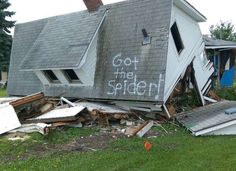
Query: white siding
point(42, 77)
point(192, 39)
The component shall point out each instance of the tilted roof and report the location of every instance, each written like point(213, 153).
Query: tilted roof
point(218, 43)
point(63, 41)
point(60, 42)
point(207, 116)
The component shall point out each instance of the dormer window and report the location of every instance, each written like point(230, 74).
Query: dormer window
point(71, 76)
point(52, 78)
point(177, 38)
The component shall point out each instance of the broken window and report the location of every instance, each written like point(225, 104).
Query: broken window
point(177, 38)
point(71, 76)
point(52, 78)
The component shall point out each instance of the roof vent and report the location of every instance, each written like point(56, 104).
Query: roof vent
point(93, 5)
point(147, 38)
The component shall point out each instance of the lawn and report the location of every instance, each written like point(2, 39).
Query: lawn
point(177, 150)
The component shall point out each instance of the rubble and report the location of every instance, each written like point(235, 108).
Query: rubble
point(42, 128)
point(37, 113)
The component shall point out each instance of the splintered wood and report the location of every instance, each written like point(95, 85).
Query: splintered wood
point(104, 113)
point(27, 99)
point(139, 130)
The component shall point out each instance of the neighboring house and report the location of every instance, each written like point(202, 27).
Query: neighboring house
point(222, 53)
point(133, 50)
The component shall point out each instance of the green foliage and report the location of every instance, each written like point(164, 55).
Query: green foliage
point(223, 30)
point(5, 37)
point(3, 92)
point(226, 93)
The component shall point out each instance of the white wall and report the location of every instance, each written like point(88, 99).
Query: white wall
point(87, 71)
point(192, 39)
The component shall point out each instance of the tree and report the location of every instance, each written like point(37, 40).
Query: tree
point(223, 30)
point(5, 37)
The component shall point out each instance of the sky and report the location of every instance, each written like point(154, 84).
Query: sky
point(29, 10)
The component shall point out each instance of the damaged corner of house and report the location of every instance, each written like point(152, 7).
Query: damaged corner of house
point(106, 76)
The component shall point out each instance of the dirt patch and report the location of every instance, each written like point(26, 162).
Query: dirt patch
point(92, 143)
point(95, 142)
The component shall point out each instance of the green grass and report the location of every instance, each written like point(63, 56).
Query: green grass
point(3, 93)
point(227, 93)
point(174, 151)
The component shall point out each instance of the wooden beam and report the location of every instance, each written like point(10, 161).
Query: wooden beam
point(145, 129)
point(27, 99)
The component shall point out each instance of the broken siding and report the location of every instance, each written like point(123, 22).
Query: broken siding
point(192, 38)
point(126, 69)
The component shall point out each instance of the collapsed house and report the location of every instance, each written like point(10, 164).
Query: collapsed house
point(133, 50)
point(222, 54)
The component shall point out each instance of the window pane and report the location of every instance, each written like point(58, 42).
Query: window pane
point(71, 76)
point(51, 76)
point(177, 39)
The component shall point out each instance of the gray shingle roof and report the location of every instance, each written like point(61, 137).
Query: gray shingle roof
point(121, 33)
point(62, 41)
point(207, 116)
point(217, 42)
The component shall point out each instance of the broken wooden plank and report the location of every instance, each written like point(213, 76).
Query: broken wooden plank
point(76, 124)
point(27, 99)
point(167, 112)
point(59, 115)
point(145, 129)
point(131, 131)
point(8, 118)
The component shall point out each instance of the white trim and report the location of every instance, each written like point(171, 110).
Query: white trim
point(206, 86)
point(91, 42)
point(214, 128)
point(190, 10)
point(210, 99)
point(166, 110)
point(48, 69)
point(220, 47)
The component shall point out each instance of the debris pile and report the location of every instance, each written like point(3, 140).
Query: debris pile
point(37, 113)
